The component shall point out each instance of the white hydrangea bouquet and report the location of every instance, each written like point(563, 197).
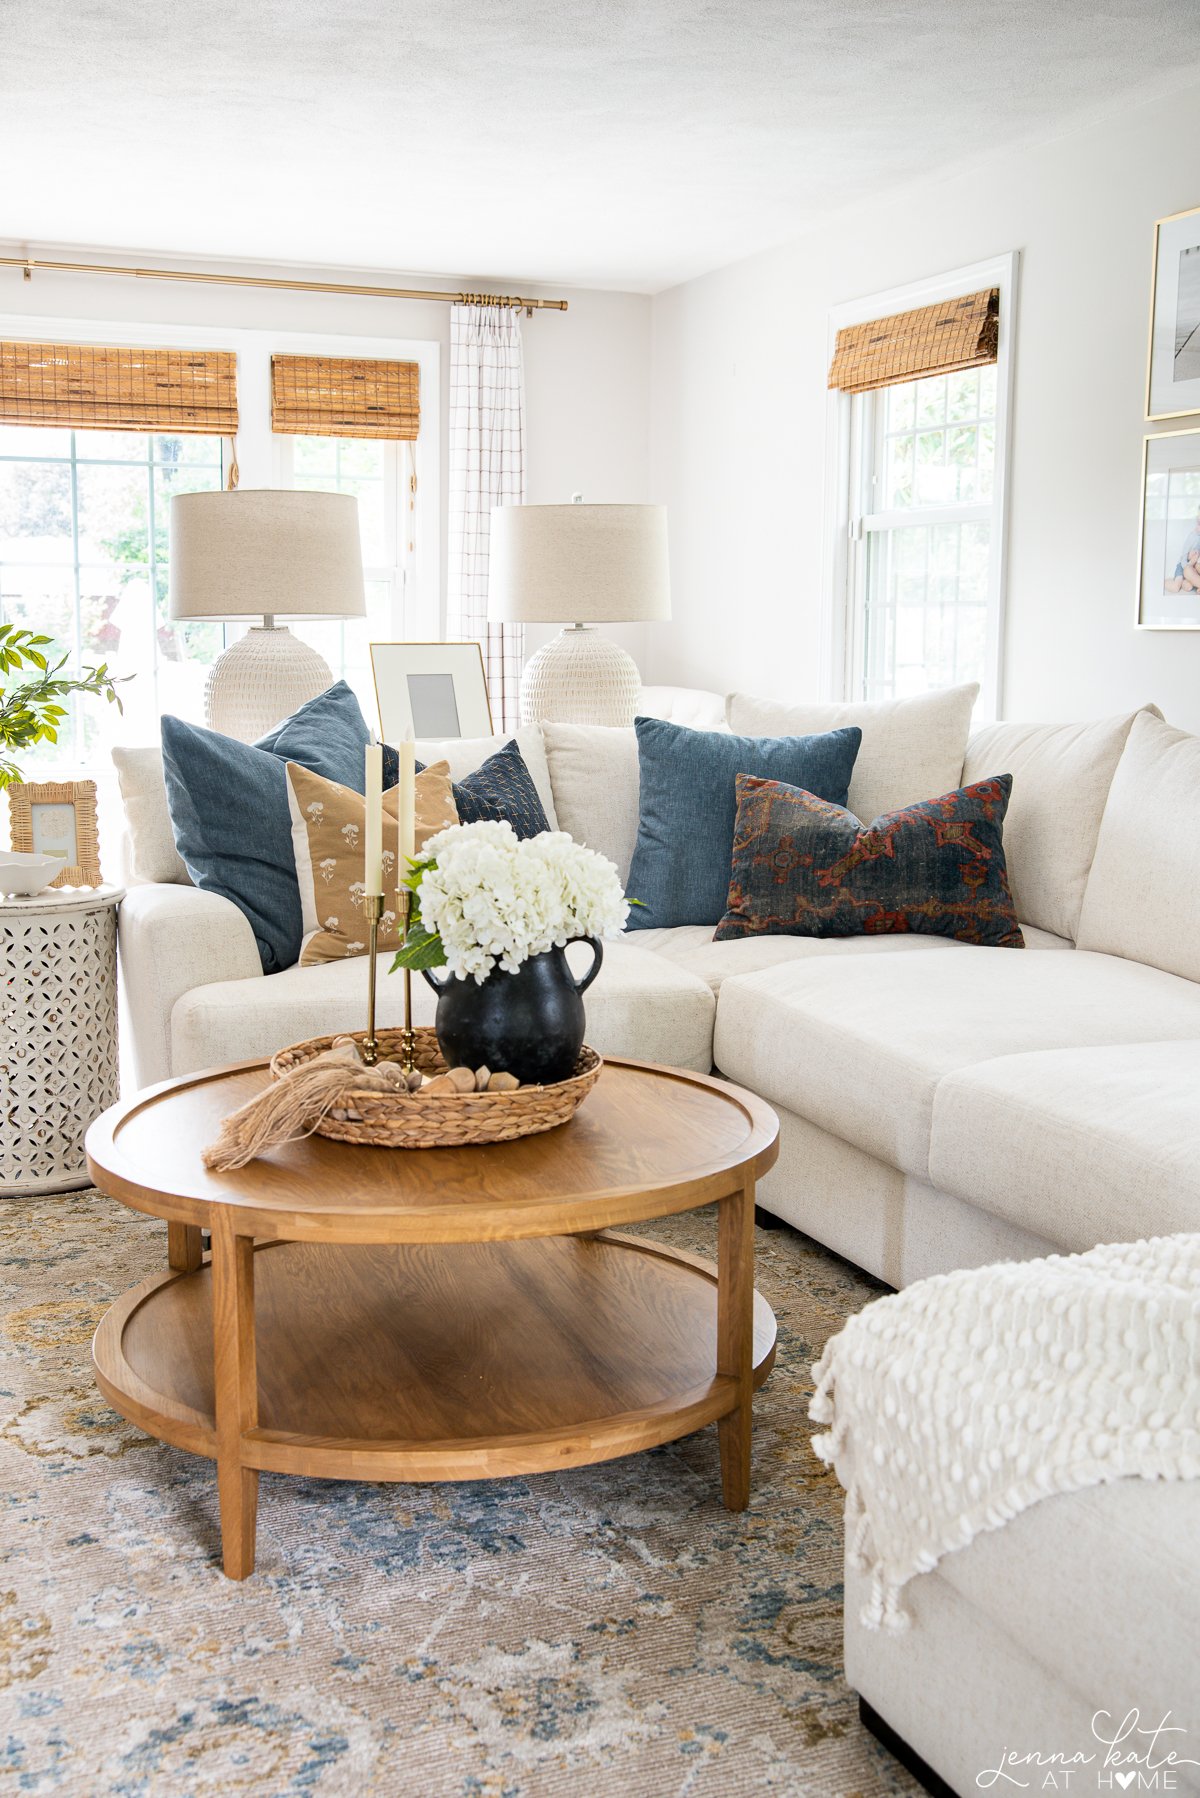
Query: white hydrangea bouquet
point(484, 898)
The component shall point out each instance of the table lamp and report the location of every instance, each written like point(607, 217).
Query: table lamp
point(582, 565)
point(259, 552)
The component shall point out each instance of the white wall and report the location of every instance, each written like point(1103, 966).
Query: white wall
point(587, 371)
point(739, 410)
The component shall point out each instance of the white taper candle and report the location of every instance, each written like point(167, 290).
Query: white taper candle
point(373, 841)
point(408, 804)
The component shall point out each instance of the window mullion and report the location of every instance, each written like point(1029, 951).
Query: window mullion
point(76, 705)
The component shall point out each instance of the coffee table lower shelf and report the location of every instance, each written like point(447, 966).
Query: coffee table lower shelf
point(438, 1362)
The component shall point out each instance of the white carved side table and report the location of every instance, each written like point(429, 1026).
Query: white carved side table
point(58, 1033)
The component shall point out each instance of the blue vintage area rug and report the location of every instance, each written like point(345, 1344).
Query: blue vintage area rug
point(609, 1633)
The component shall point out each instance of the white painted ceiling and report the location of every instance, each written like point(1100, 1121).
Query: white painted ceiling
point(614, 143)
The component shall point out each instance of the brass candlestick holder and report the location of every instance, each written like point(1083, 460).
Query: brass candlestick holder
point(407, 1040)
point(372, 904)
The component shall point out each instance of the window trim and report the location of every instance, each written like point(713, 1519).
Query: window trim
point(846, 452)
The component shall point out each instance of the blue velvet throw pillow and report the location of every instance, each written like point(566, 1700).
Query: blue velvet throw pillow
point(501, 789)
point(803, 867)
point(229, 808)
point(688, 801)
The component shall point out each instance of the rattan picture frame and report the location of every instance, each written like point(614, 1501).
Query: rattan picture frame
point(34, 829)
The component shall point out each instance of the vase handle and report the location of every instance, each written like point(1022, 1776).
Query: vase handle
point(581, 986)
point(427, 977)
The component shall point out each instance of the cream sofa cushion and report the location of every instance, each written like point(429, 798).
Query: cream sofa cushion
point(1143, 893)
point(691, 946)
point(1085, 1602)
point(696, 707)
point(152, 854)
point(594, 777)
point(638, 1005)
point(1061, 776)
point(465, 754)
point(1081, 1145)
point(911, 749)
point(860, 1044)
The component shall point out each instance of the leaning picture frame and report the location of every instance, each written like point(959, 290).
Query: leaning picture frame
point(436, 691)
point(1173, 360)
point(1169, 534)
point(58, 818)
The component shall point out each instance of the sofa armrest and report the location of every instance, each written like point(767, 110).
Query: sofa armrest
point(173, 938)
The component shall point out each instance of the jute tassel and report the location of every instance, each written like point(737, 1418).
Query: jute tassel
point(291, 1108)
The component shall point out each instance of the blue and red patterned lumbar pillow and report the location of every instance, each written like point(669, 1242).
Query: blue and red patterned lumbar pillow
point(803, 867)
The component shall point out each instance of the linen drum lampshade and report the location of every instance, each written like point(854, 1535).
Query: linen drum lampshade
point(265, 553)
point(584, 565)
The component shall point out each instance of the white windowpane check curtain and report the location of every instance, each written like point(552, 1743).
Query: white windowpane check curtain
point(487, 468)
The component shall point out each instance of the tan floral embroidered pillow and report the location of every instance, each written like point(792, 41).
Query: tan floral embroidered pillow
point(327, 836)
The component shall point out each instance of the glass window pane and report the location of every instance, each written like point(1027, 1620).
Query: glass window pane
point(926, 608)
point(347, 465)
point(962, 394)
point(114, 517)
point(934, 482)
point(35, 512)
point(40, 599)
point(361, 456)
point(315, 455)
point(898, 486)
point(34, 440)
point(189, 452)
point(931, 400)
point(111, 446)
point(900, 406)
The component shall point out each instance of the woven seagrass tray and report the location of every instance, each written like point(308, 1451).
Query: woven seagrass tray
point(443, 1120)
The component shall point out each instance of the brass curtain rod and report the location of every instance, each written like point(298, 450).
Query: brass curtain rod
point(29, 263)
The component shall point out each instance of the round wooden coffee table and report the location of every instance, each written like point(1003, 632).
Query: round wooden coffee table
point(438, 1314)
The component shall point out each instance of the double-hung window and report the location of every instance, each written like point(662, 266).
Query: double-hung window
point(921, 470)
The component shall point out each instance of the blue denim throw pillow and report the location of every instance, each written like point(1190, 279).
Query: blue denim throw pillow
point(229, 808)
point(805, 868)
point(680, 868)
point(501, 789)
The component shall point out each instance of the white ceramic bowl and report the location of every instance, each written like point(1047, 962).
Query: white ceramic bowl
point(24, 875)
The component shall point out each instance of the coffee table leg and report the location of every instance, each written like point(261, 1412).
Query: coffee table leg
point(185, 1250)
point(236, 1382)
point(735, 1340)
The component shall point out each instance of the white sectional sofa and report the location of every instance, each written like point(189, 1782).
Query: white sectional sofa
point(941, 1106)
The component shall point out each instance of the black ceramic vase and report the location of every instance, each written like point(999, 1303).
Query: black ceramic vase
point(529, 1023)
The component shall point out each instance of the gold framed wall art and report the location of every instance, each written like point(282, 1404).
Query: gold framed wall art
point(1169, 537)
point(1173, 363)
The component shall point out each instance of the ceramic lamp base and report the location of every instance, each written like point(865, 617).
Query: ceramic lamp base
point(260, 680)
point(580, 677)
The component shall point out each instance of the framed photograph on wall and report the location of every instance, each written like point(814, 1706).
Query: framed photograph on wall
point(434, 690)
point(58, 818)
point(1169, 558)
point(1173, 376)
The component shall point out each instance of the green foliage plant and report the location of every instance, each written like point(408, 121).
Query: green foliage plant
point(31, 708)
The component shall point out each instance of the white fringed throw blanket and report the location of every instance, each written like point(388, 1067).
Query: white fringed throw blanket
point(962, 1400)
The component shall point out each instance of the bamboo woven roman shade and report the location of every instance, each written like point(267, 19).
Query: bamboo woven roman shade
point(932, 340)
point(338, 396)
point(84, 386)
